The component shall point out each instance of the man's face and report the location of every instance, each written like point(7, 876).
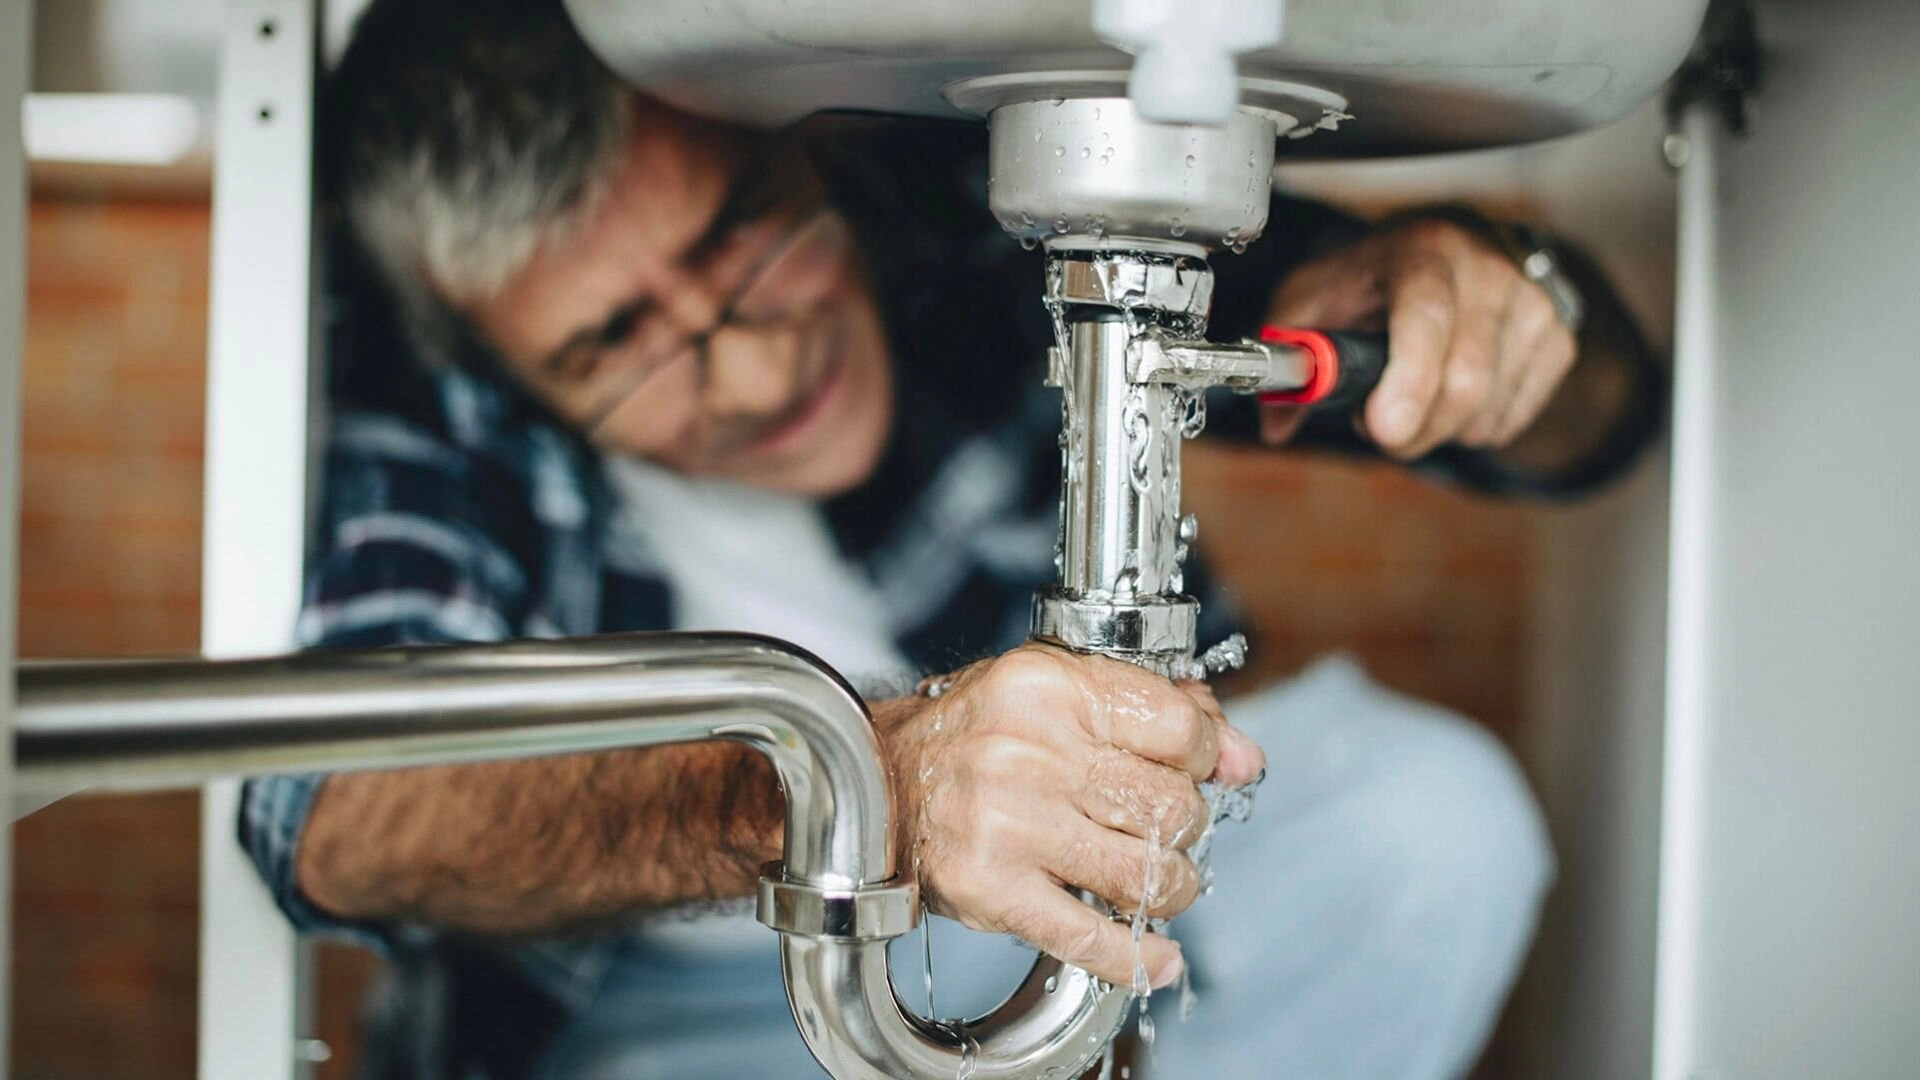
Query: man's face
point(709, 314)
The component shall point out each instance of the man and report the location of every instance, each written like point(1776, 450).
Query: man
point(632, 370)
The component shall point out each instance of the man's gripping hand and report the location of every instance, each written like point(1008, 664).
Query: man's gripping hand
point(1476, 349)
point(1041, 770)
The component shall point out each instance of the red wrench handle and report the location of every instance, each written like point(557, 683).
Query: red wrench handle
point(1346, 367)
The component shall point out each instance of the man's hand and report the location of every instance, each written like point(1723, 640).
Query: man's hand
point(1475, 349)
point(1041, 770)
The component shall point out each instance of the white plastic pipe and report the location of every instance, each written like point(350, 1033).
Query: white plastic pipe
point(1691, 568)
point(1184, 69)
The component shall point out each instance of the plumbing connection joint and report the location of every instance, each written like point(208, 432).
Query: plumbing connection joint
point(1132, 365)
point(1129, 209)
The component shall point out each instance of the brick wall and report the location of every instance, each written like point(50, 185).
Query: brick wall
point(106, 888)
point(1425, 586)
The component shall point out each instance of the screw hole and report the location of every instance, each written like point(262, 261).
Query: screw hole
point(267, 28)
point(266, 114)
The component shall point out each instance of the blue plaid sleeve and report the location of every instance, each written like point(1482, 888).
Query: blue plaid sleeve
point(418, 542)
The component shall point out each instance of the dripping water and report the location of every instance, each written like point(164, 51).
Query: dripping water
point(926, 953)
point(969, 1057)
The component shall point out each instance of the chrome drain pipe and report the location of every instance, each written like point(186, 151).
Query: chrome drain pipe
point(836, 897)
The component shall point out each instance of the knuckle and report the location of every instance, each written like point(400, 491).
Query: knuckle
point(1197, 813)
point(985, 826)
point(1425, 298)
point(1021, 918)
point(1206, 735)
point(1183, 880)
point(1083, 945)
point(1027, 674)
point(1533, 305)
point(974, 846)
point(1467, 381)
point(1183, 721)
point(1076, 858)
point(1494, 265)
point(994, 756)
point(1019, 667)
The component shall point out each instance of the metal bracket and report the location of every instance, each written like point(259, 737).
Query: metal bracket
point(1154, 632)
point(1244, 367)
point(1133, 281)
point(861, 913)
point(1724, 69)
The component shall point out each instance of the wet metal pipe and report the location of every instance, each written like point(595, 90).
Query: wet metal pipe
point(180, 722)
point(836, 898)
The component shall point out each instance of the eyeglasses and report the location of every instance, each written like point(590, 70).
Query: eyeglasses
point(784, 283)
point(777, 250)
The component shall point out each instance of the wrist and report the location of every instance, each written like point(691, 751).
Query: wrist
point(907, 785)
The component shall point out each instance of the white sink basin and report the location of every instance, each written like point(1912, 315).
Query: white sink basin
point(1413, 75)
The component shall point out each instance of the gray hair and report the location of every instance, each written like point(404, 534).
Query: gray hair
point(460, 135)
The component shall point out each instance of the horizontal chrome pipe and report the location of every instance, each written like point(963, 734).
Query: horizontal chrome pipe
point(145, 724)
point(179, 722)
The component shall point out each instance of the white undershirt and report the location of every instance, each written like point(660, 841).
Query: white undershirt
point(739, 558)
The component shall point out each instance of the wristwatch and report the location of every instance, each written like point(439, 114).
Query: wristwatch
point(1540, 264)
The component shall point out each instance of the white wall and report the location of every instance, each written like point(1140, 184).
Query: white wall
point(1597, 658)
point(1791, 948)
point(1596, 652)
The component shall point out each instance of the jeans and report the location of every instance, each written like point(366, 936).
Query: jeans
point(1368, 922)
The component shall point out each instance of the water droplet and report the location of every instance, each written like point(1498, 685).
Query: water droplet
point(1060, 225)
point(1177, 229)
point(1096, 112)
point(1036, 136)
point(1086, 152)
point(1146, 1029)
point(1026, 218)
point(1106, 156)
point(1239, 247)
point(1057, 102)
point(1250, 163)
point(1059, 151)
point(1192, 161)
point(1052, 984)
